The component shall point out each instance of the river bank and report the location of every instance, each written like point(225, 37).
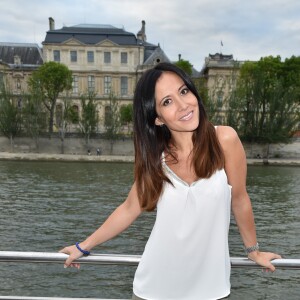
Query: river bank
point(119, 158)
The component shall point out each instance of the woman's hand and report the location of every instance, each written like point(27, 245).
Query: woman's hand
point(74, 254)
point(264, 259)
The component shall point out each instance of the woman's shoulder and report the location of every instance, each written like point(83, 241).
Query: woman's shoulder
point(227, 136)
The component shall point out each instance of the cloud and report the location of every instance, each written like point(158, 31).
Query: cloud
point(195, 28)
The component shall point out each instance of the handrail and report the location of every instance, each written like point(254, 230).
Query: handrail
point(116, 259)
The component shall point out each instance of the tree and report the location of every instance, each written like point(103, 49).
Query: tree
point(66, 115)
point(51, 79)
point(10, 116)
point(265, 104)
point(185, 65)
point(112, 121)
point(126, 114)
point(88, 120)
point(33, 120)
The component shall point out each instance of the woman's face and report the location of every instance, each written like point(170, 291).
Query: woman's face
point(176, 106)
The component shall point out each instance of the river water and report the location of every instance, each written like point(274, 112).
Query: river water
point(48, 205)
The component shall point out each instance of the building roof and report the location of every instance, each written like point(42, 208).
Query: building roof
point(91, 34)
point(29, 54)
point(219, 61)
point(154, 54)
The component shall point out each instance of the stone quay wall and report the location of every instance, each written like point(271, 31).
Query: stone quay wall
point(124, 147)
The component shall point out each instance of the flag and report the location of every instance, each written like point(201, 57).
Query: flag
point(221, 43)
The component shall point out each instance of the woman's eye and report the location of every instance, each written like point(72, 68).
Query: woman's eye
point(184, 91)
point(166, 102)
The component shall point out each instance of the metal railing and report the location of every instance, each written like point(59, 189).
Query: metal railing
point(113, 259)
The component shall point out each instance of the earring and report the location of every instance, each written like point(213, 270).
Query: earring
point(161, 125)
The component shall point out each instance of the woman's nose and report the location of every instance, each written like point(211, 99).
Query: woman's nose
point(182, 105)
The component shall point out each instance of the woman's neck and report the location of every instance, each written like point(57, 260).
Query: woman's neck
point(182, 142)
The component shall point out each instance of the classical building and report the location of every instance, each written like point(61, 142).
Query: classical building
point(17, 62)
point(220, 73)
point(104, 59)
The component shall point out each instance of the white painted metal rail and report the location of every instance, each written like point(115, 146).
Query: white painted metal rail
point(113, 259)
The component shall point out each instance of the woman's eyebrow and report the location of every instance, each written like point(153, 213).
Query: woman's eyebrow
point(181, 87)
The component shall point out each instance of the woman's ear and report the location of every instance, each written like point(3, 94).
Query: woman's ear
point(158, 122)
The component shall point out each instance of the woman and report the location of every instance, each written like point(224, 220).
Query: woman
point(193, 173)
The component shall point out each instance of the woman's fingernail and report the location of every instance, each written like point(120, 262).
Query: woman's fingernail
point(65, 266)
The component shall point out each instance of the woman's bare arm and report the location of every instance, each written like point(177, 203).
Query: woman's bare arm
point(236, 170)
point(117, 222)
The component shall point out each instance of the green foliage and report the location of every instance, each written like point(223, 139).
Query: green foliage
point(185, 65)
point(71, 115)
point(126, 114)
point(112, 120)
point(88, 120)
point(10, 115)
point(201, 86)
point(34, 121)
point(264, 107)
point(49, 81)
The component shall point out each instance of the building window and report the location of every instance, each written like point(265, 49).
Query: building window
point(75, 84)
point(124, 85)
point(107, 57)
point(107, 116)
point(91, 83)
point(107, 85)
point(18, 84)
point(124, 57)
point(73, 56)
point(90, 56)
point(56, 55)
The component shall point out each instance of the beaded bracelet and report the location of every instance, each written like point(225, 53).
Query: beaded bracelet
point(85, 252)
point(248, 250)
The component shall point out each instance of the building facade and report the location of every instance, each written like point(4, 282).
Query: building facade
point(220, 73)
point(104, 60)
point(17, 62)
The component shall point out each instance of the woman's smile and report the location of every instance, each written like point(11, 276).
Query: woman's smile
point(187, 116)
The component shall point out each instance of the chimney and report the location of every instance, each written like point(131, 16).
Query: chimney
point(51, 24)
point(142, 33)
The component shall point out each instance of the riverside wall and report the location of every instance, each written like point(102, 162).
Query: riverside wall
point(124, 147)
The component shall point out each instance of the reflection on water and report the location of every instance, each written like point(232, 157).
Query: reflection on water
point(45, 206)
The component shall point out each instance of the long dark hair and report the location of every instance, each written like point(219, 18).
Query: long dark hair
point(151, 140)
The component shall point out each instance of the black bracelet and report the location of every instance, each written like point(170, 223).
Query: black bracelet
point(85, 252)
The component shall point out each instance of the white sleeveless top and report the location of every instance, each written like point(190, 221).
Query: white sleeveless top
point(187, 255)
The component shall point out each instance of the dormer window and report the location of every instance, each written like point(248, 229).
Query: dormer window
point(17, 60)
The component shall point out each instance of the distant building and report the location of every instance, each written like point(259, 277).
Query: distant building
point(104, 59)
point(17, 62)
point(220, 73)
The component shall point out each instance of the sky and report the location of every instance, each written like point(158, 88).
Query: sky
point(246, 29)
